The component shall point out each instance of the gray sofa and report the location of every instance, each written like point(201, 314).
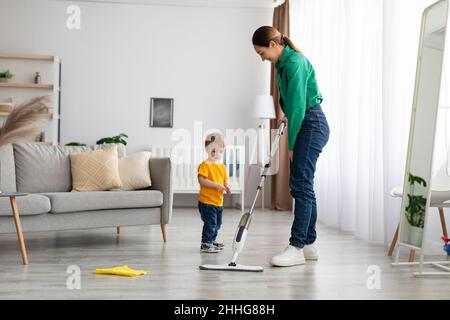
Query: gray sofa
point(43, 171)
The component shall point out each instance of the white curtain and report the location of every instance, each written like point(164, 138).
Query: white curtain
point(364, 53)
point(343, 40)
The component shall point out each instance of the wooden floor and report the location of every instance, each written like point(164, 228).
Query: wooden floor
point(341, 272)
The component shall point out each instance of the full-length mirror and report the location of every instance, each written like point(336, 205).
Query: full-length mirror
point(418, 169)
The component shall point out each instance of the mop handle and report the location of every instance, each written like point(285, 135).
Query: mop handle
point(267, 166)
point(277, 140)
point(275, 145)
point(261, 183)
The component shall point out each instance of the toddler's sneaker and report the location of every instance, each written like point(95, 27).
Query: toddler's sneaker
point(209, 248)
point(219, 245)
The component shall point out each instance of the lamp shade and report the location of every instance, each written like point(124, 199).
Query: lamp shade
point(263, 107)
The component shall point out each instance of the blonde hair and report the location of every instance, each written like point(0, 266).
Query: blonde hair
point(263, 35)
point(215, 138)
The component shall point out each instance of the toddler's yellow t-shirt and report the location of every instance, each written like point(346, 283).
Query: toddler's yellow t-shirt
point(216, 173)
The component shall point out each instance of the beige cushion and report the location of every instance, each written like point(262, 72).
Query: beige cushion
point(135, 171)
point(95, 170)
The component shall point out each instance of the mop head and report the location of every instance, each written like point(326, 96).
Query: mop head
point(228, 267)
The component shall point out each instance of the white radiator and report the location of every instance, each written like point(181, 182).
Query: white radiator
point(185, 163)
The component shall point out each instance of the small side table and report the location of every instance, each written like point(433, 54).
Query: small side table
point(12, 199)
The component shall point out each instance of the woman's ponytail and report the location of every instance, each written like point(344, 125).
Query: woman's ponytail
point(263, 35)
point(285, 40)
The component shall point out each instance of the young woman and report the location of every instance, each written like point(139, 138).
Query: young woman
point(308, 133)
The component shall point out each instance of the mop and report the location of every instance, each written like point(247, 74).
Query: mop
point(242, 230)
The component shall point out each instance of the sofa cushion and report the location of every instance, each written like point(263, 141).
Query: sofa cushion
point(46, 168)
point(95, 170)
point(135, 171)
point(28, 205)
point(63, 202)
point(7, 169)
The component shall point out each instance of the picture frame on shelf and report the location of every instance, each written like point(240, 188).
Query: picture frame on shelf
point(161, 112)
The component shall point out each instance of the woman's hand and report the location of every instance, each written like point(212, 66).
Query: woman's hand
point(285, 120)
point(290, 155)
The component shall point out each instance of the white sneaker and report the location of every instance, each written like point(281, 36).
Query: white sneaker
point(291, 256)
point(310, 252)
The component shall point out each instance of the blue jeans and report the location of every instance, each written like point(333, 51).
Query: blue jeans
point(311, 139)
point(212, 220)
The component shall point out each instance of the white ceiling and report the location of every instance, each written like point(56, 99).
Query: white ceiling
point(195, 3)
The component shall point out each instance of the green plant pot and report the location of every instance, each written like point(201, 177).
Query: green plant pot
point(4, 80)
point(415, 236)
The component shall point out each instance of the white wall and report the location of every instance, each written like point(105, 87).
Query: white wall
point(125, 54)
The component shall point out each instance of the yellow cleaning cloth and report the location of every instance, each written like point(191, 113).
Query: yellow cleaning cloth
point(122, 271)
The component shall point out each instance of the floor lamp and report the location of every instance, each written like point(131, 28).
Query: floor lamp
point(264, 110)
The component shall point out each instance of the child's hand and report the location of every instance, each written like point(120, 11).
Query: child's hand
point(221, 188)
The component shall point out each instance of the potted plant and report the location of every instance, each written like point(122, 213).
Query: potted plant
point(75, 144)
point(116, 139)
point(415, 211)
point(5, 76)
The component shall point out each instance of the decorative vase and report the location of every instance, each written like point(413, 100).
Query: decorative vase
point(4, 79)
point(37, 78)
point(415, 236)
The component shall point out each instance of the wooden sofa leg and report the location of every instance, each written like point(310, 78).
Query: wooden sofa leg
point(163, 229)
point(16, 217)
point(118, 230)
